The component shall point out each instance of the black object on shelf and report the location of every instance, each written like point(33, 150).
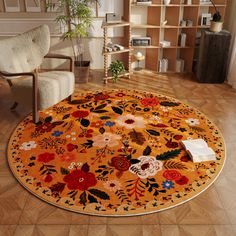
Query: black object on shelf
point(213, 57)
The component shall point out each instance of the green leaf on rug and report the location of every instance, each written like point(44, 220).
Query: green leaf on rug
point(85, 122)
point(169, 104)
point(88, 144)
point(153, 132)
point(66, 116)
point(105, 117)
point(64, 171)
point(83, 198)
point(147, 151)
point(48, 119)
point(99, 111)
point(134, 161)
point(99, 193)
point(92, 199)
point(117, 110)
point(100, 107)
point(168, 155)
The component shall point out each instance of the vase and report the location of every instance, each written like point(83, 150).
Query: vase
point(167, 2)
point(216, 26)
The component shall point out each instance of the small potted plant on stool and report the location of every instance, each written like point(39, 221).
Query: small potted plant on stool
point(116, 68)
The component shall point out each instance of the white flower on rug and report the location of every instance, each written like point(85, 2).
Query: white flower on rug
point(106, 139)
point(192, 122)
point(156, 119)
point(28, 145)
point(130, 121)
point(112, 185)
point(148, 166)
point(165, 109)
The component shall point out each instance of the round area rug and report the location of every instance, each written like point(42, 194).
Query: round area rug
point(114, 153)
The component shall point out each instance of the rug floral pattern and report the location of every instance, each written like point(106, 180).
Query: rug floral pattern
point(114, 152)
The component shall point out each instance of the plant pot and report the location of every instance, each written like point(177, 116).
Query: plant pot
point(82, 69)
point(166, 2)
point(216, 26)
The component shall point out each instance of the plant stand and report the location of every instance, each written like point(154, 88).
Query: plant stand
point(126, 50)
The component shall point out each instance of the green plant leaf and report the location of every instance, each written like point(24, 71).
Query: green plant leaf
point(99, 193)
point(153, 132)
point(64, 171)
point(100, 107)
point(117, 110)
point(99, 111)
point(147, 151)
point(92, 199)
point(83, 198)
point(168, 155)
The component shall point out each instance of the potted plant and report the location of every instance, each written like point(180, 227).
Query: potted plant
point(76, 16)
point(116, 68)
point(216, 23)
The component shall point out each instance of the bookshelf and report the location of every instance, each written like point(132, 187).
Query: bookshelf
point(147, 21)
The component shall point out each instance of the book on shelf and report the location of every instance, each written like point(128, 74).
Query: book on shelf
point(165, 43)
point(182, 40)
point(205, 2)
point(198, 150)
point(143, 2)
point(179, 65)
point(163, 65)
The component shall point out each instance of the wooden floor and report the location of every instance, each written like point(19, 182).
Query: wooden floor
point(211, 213)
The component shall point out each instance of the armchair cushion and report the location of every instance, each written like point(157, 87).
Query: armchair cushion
point(25, 52)
point(54, 86)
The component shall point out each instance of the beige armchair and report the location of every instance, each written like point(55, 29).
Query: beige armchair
point(20, 58)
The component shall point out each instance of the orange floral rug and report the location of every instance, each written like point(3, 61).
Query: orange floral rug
point(114, 153)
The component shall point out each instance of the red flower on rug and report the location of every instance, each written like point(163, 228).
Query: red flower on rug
point(120, 163)
point(151, 102)
point(172, 175)
point(182, 180)
point(101, 96)
point(70, 147)
point(97, 124)
point(68, 157)
point(45, 127)
point(57, 188)
point(171, 144)
point(80, 114)
point(120, 94)
point(79, 179)
point(46, 157)
point(185, 158)
point(48, 178)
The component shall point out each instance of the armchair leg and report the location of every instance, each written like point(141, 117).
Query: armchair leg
point(35, 116)
point(70, 98)
point(35, 99)
point(13, 107)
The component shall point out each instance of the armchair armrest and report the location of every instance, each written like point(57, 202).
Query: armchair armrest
point(59, 56)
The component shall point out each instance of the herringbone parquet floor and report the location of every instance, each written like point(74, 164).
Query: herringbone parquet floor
point(213, 213)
